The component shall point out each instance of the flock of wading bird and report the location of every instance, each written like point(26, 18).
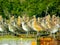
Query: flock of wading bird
point(19, 25)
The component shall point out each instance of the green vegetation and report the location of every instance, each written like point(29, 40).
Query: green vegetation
point(29, 7)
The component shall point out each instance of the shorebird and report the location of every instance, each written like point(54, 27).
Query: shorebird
point(19, 25)
point(55, 27)
point(13, 30)
point(3, 28)
point(1, 22)
point(26, 26)
point(48, 21)
point(43, 24)
point(36, 26)
point(13, 27)
point(12, 21)
point(54, 30)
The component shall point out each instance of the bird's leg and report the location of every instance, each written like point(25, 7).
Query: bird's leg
point(7, 33)
point(37, 33)
point(33, 33)
point(54, 36)
point(2, 33)
point(27, 34)
point(50, 34)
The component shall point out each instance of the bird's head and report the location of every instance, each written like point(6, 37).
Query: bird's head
point(48, 18)
point(34, 18)
point(23, 22)
point(12, 17)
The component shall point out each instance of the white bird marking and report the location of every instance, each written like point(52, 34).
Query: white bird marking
point(1, 29)
point(10, 29)
point(24, 26)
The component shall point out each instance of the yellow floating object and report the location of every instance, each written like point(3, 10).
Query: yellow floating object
point(33, 42)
